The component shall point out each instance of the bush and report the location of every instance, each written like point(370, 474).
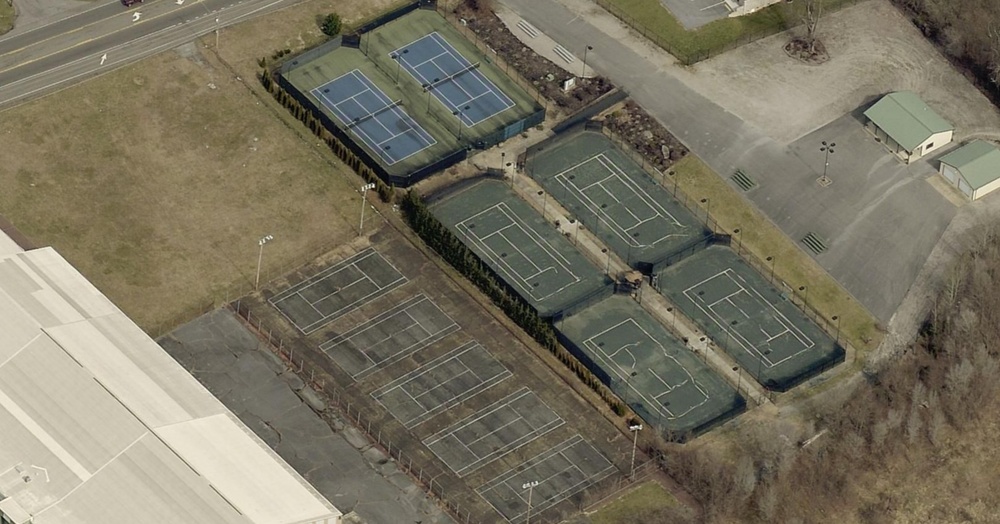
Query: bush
point(331, 24)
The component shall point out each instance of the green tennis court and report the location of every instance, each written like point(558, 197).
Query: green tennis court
point(757, 324)
point(517, 243)
point(656, 374)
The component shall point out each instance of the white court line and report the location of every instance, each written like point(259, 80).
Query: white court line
point(503, 265)
point(523, 471)
point(616, 173)
point(622, 373)
point(505, 407)
point(428, 339)
point(376, 146)
point(450, 50)
point(755, 351)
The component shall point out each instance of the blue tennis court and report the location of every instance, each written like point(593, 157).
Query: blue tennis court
point(377, 120)
point(455, 81)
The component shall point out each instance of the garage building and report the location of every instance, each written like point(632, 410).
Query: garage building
point(973, 168)
point(906, 126)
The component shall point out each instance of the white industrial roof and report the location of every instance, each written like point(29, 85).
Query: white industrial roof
point(7, 245)
point(101, 426)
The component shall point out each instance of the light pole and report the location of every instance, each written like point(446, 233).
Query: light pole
point(585, 49)
point(771, 260)
point(708, 209)
point(805, 301)
point(739, 236)
point(216, 34)
point(837, 318)
point(545, 197)
point(635, 440)
point(739, 378)
point(458, 114)
point(364, 200)
point(260, 258)
point(530, 486)
point(607, 264)
point(828, 149)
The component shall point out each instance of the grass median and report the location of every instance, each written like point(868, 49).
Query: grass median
point(7, 15)
point(763, 239)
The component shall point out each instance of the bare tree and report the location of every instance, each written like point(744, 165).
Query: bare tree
point(810, 17)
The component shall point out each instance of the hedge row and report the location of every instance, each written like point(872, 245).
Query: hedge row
point(385, 191)
point(456, 253)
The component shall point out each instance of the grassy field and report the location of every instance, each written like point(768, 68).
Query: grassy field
point(7, 16)
point(764, 240)
point(156, 181)
point(643, 502)
point(657, 24)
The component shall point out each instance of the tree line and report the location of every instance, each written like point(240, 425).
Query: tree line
point(852, 455)
point(439, 238)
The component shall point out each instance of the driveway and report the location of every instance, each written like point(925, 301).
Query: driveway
point(875, 219)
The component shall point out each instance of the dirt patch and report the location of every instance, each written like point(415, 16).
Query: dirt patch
point(807, 52)
point(541, 72)
point(873, 50)
point(645, 135)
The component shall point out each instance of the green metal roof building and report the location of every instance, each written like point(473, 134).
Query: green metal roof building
point(907, 126)
point(973, 168)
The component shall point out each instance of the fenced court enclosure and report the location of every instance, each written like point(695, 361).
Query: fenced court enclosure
point(754, 322)
point(615, 198)
point(409, 94)
point(445, 390)
point(653, 372)
point(494, 431)
point(560, 472)
point(338, 290)
point(448, 380)
point(520, 246)
point(410, 326)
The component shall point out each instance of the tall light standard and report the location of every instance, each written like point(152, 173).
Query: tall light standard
point(739, 378)
point(364, 200)
point(828, 149)
point(260, 258)
point(398, 58)
point(216, 34)
point(585, 49)
point(635, 428)
point(530, 486)
point(708, 209)
point(805, 301)
point(545, 197)
point(607, 264)
point(837, 319)
point(771, 260)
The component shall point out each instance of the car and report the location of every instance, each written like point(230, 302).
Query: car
point(130, 3)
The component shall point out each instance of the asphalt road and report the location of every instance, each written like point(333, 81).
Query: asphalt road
point(88, 43)
point(879, 237)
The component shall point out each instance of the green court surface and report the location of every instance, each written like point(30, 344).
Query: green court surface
point(520, 246)
point(758, 325)
point(655, 373)
point(372, 60)
point(614, 197)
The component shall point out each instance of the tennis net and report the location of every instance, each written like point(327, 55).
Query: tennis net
point(373, 114)
point(452, 76)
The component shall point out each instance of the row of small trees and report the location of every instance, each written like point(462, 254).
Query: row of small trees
point(450, 247)
point(385, 191)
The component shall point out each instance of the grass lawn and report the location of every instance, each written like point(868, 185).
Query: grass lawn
point(656, 23)
point(157, 180)
point(764, 239)
point(645, 502)
point(6, 16)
